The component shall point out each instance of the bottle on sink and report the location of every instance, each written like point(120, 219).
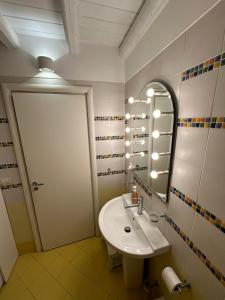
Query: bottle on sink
point(134, 195)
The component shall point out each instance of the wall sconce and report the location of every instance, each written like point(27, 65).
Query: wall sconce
point(45, 64)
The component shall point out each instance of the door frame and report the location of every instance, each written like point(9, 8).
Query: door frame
point(7, 90)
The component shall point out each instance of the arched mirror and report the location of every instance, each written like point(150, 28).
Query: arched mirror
point(150, 137)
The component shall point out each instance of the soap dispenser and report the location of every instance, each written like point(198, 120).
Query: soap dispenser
point(134, 195)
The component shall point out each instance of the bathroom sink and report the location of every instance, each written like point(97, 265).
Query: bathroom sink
point(131, 234)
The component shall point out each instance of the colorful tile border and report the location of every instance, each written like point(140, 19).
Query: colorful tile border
point(11, 186)
point(111, 173)
point(8, 166)
point(208, 122)
point(114, 155)
point(206, 66)
point(109, 118)
point(197, 251)
point(141, 135)
point(187, 240)
point(109, 137)
point(207, 215)
point(3, 120)
point(6, 144)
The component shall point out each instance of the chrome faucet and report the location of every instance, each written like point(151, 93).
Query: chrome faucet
point(139, 205)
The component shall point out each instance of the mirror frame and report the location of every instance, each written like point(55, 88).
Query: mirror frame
point(136, 178)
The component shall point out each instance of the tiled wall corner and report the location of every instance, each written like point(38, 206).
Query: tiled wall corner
point(195, 224)
point(12, 188)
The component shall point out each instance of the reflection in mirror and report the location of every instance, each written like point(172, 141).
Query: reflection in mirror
point(150, 130)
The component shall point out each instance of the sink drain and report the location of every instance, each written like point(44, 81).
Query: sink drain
point(127, 229)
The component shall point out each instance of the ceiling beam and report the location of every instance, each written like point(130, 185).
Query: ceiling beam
point(7, 34)
point(70, 11)
point(148, 13)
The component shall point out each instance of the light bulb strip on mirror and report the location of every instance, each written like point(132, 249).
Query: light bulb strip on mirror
point(156, 134)
point(131, 100)
point(140, 142)
point(154, 174)
point(156, 155)
point(129, 129)
point(135, 117)
point(158, 113)
point(129, 155)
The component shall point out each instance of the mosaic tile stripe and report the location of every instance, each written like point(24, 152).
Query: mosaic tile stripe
point(109, 137)
point(208, 122)
point(8, 166)
point(11, 186)
point(111, 173)
point(3, 120)
point(114, 155)
point(204, 67)
point(217, 222)
point(6, 144)
point(141, 135)
point(143, 186)
point(215, 271)
point(109, 118)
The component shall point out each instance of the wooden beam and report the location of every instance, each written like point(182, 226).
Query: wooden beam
point(70, 10)
point(7, 34)
point(148, 13)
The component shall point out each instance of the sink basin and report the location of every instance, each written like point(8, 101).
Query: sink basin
point(113, 219)
point(133, 235)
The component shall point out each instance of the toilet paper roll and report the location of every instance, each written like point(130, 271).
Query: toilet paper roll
point(171, 280)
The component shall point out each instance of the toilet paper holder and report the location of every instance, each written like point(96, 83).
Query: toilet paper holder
point(185, 284)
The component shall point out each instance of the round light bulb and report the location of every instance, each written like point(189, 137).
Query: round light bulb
point(150, 92)
point(149, 100)
point(127, 155)
point(127, 129)
point(127, 143)
point(154, 174)
point(142, 142)
point(131, 100)
point(143, 116)
point(142, 154)
point(155, 156)
point(142, 129)
point(127, 116)
point(155, 134)
point(130, 167)
point(156, 113)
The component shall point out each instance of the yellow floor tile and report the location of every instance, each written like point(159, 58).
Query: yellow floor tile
point(15, 289)
point(56, 268)
point(69, 251)
point(46, 288)
point(75, 272)
point(46, 258)
point(28, 269)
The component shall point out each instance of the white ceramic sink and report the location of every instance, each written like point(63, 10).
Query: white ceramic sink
point(143, 241)
point(113, 218)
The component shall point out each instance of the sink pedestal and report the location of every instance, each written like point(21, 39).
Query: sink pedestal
point(133, 272)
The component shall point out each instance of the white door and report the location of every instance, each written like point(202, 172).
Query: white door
point(54, 135)
point(8, 251)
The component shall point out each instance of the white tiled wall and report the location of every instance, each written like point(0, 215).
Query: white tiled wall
point(199, 157)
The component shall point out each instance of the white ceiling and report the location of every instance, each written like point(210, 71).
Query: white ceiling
point(103, 22)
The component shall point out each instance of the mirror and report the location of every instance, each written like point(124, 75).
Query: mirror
point(150, 137)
